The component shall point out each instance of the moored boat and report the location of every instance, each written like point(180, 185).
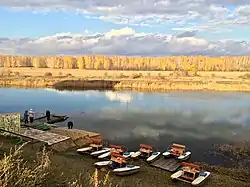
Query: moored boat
point(120, 167)
point(113, 149)
point(84, 150)
point(145, 151)
point(136, 154)
point(154, 156)
point(190, 173)
point(127, 170)
point(102, 151)
point(105, 155)
point(103, 163)
point(95, 145)
point(178, 151)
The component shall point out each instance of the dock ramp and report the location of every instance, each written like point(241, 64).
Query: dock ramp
point(168, 164)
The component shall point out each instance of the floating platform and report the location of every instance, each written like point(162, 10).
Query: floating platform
point(168, 164)
point(42, 136)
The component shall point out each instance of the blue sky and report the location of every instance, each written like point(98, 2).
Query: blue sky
point(202, 25)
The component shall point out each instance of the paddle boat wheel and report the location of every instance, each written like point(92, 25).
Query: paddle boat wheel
point(190, 173)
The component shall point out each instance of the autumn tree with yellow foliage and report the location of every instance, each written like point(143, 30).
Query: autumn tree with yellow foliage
point(101, 62)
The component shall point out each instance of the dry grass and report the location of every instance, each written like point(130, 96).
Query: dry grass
point(15, 171)
point(126, 80)
point(38, 72)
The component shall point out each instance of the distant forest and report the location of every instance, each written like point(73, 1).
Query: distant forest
point(100, 62)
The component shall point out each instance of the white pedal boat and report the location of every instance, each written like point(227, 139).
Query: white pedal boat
point(136, 154)
point(84, 150)
point(202, 176)
point(103, 163)
point(105, 155)
point(178, 151)
point(185, 156)
point(127, 170)
point(154, 156)
point(128, 154)
point(190, 173)
point(102, 151)
point(167, 153)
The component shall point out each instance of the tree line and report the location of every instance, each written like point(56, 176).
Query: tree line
point(100, 62)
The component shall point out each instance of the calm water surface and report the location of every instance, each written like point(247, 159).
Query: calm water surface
point(196, 119)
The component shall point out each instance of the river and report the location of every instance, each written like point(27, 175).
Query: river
point(197, 119)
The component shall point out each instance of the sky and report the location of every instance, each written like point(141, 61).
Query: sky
point(125, 27)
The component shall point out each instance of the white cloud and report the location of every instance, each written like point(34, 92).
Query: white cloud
point(125, 41)
point(196, 13)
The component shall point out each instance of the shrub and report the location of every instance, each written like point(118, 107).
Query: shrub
point(17, 73)
point(245, 76)
point(69, 75)
point(48, 74)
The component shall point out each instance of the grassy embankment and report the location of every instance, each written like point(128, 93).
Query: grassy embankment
point(32, 166)
point(130, 80)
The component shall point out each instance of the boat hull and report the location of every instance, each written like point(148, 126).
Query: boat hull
point(177, 174)
point(136, 154)
point(103, 164)
point(84, 150)
point(185, 156)
point(100, 152)
point(105, 155)
point(201, 178)
point(154, 156)
point(127, 170)
point(166, 154)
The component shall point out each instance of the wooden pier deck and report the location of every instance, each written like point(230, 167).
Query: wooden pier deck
point(74, 133)
point(168, 164)
point(43, 136)
point(79, 137)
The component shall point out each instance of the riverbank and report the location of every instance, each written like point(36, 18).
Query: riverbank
point(125, 80)
point(62, 169)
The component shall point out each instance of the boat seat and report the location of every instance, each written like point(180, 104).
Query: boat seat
point(146, 150)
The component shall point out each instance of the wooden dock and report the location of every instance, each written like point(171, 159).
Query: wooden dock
point(80, 137)
point(43, 136)
point(168, 164)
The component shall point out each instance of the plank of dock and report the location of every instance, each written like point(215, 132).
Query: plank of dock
point(43, 136)
point(80, 137)
point(74, 133)
point(168, 164)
